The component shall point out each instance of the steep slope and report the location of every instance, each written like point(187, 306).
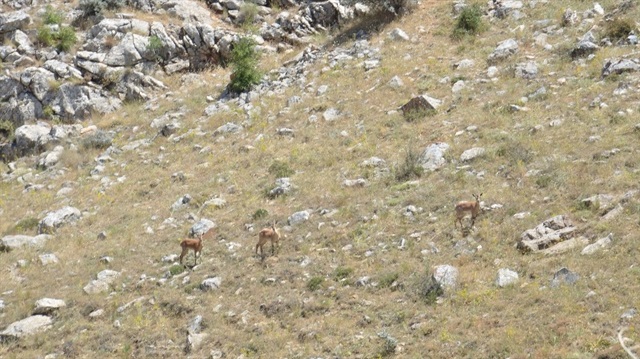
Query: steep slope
point(368, 216)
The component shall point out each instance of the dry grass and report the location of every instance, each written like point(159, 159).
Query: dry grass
point(269, 308)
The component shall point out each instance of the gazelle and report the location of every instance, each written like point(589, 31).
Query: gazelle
point(191, 243)
point(464, 207)
point(268, 234)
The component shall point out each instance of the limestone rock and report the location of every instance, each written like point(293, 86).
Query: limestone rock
point(47, 306)
point(26, 327)
point(58, 218)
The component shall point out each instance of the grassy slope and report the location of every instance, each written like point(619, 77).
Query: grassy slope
point(477, 320)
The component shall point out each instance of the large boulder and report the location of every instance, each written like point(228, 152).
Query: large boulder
point(47, 306)
point(58, 218)
point(619, 66)
point(446, 276)
point(433, 156)
point(128, 51)
point(13, 21)
point(26, 327)
point(325, 13)
point(422, 103)
point(78, 102)
point(11, 242)
point(102, 283)
point(38, 81)
point(29, 138)
point(547, 234)
point(505, 49)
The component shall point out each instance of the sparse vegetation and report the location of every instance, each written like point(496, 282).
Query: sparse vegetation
point(619, 28)
point(280, 169)
point(64, 38)
point(52, 16)
point(248, 14)
point(26, 225)
point(355, 278)
point(410, 167)
point(6, 129)
point(314, 283)
point(260, 213)
point(91, 8)
point(154, 47)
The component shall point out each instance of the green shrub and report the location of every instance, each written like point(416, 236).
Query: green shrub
point(410, 168)
point(248, 14)
point(469, 21)
point(45, 36)
point(66, 37)
point(280, 169)
point(176, 269)
point(259, 214)
point(414, 115)
point(342, 273)
point(387, 279)
point(244, 59)
point(25, 225)
point(154, 47)
point(7, 129)
point(515, 153)
point(619, 28)
point(52, 16)
point(428, 289)
point(315, 283)
point(97, 7)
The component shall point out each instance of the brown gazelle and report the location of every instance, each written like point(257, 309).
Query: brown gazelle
point(191, 243)
point(268, 234)
point(464, 207)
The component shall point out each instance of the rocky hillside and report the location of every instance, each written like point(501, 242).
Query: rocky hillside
point(120, 136)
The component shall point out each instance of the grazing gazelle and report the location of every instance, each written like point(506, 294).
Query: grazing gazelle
point(464, 207)
point(268, 234)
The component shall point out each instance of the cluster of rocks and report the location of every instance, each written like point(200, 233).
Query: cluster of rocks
point(41, 320)
point(118, 55)
point(558, 235)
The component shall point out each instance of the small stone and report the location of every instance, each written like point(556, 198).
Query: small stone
point(506, 277)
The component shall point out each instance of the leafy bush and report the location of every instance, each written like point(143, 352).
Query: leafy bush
point(342, 273)
point(469, 21)
point(66, 38)
point(280, 169)
point(259, 214)
point(25, 225)
point(387, 279)
point(515, 152)
point(52, 16)
point(176, 269)
point(410, 168)
point(428, 289)
point(97, 7)
point(619, 28)
point(244, 59)
point(248, 14)
point(45, 36)
point(314, 283)
point(154, 47)
point(7, 129)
